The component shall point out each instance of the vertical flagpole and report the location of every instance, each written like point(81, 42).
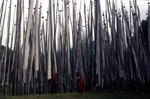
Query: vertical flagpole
point(2, 6)
point(26, 54)
point(39, 51)
point(46, 53)
point(32, 53)
point(7, 42)
point(1, 35)
point(26, 51)
point(136, 28)
point(50, 43)
point(10, 55)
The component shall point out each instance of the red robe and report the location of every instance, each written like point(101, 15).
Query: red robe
point(54, 85)
point(79, 85)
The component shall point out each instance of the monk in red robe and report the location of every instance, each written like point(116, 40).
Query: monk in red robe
point(54, 84)
point(79, 89)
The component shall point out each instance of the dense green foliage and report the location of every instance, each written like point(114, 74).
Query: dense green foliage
point(3, 49)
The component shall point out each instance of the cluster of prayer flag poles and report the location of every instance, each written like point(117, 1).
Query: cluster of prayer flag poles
point(107, 48)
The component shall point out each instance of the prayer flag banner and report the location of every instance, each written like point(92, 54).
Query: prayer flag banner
point(72, 42)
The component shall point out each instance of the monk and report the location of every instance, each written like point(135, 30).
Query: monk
point(54, 84)
point(79, 89)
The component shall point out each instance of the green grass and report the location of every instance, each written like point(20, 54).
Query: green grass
point(75, 95)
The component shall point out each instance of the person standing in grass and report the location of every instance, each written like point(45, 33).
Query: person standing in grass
point(79, 89)
point(54, 84)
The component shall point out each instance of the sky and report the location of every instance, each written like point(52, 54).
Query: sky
point(143, 6)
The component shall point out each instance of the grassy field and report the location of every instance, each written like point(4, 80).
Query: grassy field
point(75, 95)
